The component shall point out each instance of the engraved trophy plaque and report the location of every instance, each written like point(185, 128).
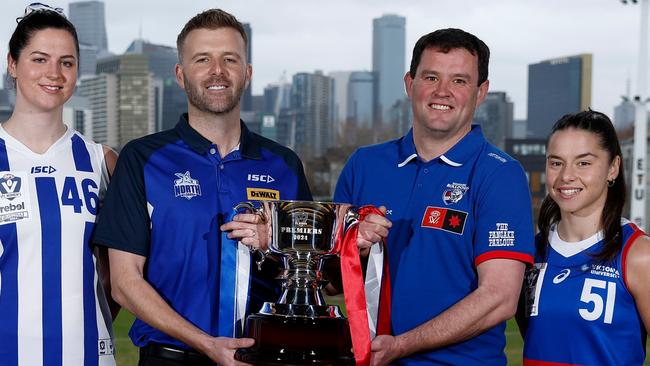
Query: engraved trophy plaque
point(300, 328)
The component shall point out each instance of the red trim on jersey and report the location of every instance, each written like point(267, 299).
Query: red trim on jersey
point(529, 362)
point(626, 248)
point(504, 254)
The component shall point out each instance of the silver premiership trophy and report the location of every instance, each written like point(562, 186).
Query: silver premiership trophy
point(300, 328)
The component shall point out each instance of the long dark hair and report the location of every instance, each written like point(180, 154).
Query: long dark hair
point(36, 21)
point(610, 219)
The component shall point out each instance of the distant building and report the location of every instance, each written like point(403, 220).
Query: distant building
point(359, 105)
point(557, 87)
point(277, 97)
point(531, 153)
point(89, 19)
point(400, 121)
point(624, 115)
point(103, 99)
point(162, 62)
point(77, 114)
point(87, 60)
point(388, 55)
point(312, 100)
point(519, 129)
point(341, 80)
point(495, 116)
point(126, 99)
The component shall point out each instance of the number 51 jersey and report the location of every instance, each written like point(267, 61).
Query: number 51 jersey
point(52, 306)
point(579, 309)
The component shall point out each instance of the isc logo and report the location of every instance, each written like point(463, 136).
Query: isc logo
point(266, 178)
point(45, 169)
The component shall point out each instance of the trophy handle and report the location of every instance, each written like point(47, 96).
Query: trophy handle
point(259, 211)
point(350, 219)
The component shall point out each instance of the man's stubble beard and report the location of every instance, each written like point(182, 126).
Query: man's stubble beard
point(203, 103)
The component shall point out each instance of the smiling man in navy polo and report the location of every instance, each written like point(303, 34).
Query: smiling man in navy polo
point(461, 229)
point(172, 192)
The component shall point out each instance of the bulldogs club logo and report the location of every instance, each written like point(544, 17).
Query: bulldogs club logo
point(10, 186)
point(186, 186)
point(454, 193)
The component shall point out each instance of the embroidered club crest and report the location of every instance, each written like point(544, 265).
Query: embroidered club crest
point(454, 193)
point(185, 186)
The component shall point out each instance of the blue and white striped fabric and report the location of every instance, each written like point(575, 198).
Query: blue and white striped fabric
point(50, 312)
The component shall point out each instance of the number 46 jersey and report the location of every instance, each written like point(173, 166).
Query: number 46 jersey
point(579, 309)
point(52, 306)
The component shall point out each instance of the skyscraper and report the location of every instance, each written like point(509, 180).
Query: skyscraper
point(359, 95)
point(89, 19)
point(495, 116)
point(341, 79)
point(162, 61)
point(126, 99)
point(388, 54)
point(312, 100)
point(557, 87)
point(102, 94)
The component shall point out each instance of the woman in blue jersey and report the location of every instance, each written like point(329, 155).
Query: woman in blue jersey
point(587, 299)
point(53, 308)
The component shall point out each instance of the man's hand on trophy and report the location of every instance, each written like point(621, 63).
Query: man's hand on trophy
point(373, 229)
point(222, 350)
point(250, 229)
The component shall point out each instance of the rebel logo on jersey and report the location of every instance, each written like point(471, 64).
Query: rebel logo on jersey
point(444, 219)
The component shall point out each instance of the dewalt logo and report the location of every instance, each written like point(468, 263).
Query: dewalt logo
point(261, 194)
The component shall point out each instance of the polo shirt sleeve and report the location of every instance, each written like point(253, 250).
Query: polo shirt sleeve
point(503, 214)
point(124, 220)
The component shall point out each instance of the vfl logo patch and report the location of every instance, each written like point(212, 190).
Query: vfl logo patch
point(262, 194)
point(10, 186)
point(185, 186)
point(454, 193)
point(444, 219)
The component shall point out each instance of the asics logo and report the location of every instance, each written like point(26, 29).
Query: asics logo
point(561, 276)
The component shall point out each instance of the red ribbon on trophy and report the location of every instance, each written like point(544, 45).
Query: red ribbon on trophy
point(354, 292)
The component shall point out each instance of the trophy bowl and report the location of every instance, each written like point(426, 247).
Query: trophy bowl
point(300, 328)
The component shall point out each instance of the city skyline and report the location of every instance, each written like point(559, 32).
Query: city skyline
point(337, 36)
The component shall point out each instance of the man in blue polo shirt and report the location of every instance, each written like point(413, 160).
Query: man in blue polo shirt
point(461, 233)
point(171, 194)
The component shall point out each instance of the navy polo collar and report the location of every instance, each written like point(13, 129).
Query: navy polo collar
point(249, 145)
point(460, 153)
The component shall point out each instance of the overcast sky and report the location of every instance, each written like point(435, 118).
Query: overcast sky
point(305, 35)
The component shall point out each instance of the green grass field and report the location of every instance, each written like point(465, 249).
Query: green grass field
point(127, 354)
